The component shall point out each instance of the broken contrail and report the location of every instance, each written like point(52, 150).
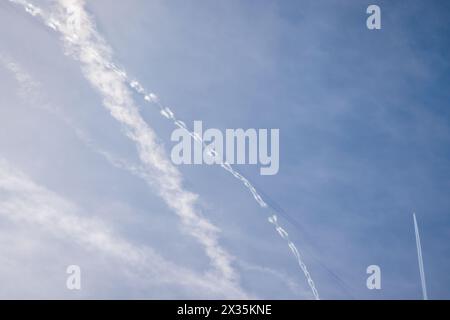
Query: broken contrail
point(97, 58)
point(419, 257)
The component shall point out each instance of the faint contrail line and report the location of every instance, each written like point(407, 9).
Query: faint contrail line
point(283, 234)
point(420, 258)
point(56, 25)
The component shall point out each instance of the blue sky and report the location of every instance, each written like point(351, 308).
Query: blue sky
point(364, 143)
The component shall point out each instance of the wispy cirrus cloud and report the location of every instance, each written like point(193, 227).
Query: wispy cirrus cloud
point(25, 202)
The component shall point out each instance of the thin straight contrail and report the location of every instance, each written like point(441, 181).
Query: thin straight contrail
point(419, 257)
point(97, 56)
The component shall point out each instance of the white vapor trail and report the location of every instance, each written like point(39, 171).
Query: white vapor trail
point(420, 259)
point(85, 44)
point(283, 234)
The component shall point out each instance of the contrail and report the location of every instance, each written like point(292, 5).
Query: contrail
point(98, 58)
point(283, 234)
point(419, 257)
